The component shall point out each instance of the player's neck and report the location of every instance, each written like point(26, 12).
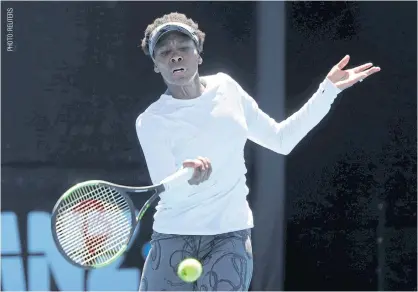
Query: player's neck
point(189, 91)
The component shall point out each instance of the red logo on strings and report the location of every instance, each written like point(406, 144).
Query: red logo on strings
point(95, 225)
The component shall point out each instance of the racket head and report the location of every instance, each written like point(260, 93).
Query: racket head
point(92, 223)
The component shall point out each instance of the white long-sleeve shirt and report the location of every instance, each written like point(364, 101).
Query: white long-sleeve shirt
point(216, 125)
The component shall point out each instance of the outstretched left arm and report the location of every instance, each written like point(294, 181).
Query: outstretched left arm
point(284, 136)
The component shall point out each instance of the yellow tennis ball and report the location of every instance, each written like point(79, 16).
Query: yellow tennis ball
point(189, 270)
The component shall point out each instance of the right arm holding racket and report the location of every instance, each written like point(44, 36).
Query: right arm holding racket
point(94, 221)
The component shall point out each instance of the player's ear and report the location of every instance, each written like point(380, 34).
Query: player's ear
point(156, 70)
point(200, 61)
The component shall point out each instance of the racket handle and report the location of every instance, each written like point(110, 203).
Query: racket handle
point(178, 178)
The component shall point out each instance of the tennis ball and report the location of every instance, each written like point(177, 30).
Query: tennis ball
point(189, 270)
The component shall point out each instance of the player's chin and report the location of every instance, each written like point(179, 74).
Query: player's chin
point(180, 80)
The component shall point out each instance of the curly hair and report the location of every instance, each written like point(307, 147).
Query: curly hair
point(172, 17)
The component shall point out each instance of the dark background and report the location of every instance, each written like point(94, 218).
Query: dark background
point(77, 80)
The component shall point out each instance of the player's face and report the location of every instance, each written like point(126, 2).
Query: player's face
point(176, 58)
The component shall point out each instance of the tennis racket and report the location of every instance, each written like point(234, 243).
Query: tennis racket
point(94, 221)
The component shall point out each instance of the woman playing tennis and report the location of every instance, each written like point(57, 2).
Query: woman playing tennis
point(204, 123)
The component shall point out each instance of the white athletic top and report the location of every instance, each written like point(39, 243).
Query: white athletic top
point(216, 125)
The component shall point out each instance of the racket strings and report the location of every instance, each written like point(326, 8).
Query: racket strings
point(93, 224)
point(94, 239)
point(77, 206)
point(102, 227)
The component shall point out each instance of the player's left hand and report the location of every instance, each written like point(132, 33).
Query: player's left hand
point(348, 77)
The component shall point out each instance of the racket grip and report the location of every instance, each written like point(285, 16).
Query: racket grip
point(178, 178)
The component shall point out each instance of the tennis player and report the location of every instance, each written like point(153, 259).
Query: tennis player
point(204, 123)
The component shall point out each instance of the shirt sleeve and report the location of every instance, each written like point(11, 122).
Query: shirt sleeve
point(284, 136)
point(157, 151)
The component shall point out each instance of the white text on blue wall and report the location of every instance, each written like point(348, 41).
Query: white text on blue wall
point(44, 260)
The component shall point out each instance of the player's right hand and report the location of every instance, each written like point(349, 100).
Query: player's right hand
point(202, 169)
